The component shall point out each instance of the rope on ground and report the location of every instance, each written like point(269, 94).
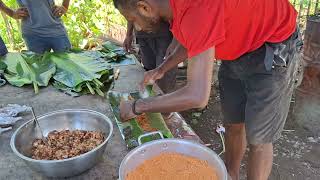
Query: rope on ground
point(221, 130)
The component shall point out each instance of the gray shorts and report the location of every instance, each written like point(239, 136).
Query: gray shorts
point(256, 89)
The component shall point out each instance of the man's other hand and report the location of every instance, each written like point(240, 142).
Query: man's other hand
point(127, 43)
point(58, 11)
point(126, 112)
point(150, 77)
point(20, 13)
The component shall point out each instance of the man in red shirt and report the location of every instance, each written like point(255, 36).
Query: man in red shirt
point(256, 41)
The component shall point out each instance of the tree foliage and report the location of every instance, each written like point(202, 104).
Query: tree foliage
point(85, 20)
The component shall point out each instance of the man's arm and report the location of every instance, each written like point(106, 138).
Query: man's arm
point(194, 95)
point(127, 43)
point(16, 14)
point(129, 29)
point(171, 47)
point(178, 55)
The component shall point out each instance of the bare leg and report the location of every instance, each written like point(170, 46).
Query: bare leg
point(236, 144)
point(260, 161)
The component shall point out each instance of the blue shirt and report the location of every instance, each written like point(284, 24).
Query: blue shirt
point(3, 48)
point(41, 21)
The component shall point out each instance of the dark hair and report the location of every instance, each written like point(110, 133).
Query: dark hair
point(124, 3)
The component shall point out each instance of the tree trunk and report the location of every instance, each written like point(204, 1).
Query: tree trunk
point(306, 109)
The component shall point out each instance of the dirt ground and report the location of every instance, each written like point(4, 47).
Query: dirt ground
point(296, 153)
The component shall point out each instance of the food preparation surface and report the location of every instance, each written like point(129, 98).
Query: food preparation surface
point(49, 99)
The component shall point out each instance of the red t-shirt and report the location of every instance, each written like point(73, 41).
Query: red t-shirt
point(234, 27)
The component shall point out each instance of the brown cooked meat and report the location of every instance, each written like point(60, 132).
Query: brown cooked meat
point(66, 144)
point(144, 123)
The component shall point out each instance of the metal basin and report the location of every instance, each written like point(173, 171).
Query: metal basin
point(154, 148)
point(21, 140)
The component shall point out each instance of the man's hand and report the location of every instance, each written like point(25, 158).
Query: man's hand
point(126, 110)
point(195, 94)
point(151, 76)
point(127, 43)
point(58, 11)
point(20, 13)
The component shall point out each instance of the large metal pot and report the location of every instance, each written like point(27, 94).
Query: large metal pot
point(21, 141)
point(148, 150)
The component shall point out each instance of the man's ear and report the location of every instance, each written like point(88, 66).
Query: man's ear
point(144, 8)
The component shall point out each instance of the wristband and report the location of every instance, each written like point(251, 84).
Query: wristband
point(134, 108)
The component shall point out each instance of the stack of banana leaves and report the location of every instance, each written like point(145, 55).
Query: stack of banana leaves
point(112, 52)
point(3, 66)
point(81, 74)
point(70, 72)
point(22, 69)
point(115, 55)
point(109, 52)
point(138, 127)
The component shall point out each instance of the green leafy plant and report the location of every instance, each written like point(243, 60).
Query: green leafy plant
point(85, 21)
point(88, 19)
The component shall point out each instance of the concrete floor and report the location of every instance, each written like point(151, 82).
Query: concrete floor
point(50, 99)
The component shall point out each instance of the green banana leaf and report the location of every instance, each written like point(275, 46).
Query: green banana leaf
point(116, 58)
point(23, 69)
point(81, 74)
point(111, 53)
point(109, 46)
point(3, 66)
point(107, 79)
point(115, 54)
point(131, 130)
point(156, 119)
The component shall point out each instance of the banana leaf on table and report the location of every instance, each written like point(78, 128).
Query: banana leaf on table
point(128, 59)
point(81, 74)
point(131, 130)
point(111, 53)
point(3, 66)
point(109, 46)
point(116, 55)
point(23, 69)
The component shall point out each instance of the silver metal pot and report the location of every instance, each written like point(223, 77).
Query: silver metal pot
point(21, 140)
point(148, 150)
